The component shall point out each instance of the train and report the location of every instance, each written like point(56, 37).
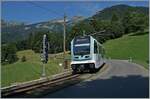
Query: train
point(87, 54)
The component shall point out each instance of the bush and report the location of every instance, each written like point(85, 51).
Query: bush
point(9, 54)
point(23, 59)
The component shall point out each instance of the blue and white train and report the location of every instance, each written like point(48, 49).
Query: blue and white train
point(87, 54)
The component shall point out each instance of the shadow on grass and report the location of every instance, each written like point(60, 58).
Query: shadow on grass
point(132, 86)
point(139, 33)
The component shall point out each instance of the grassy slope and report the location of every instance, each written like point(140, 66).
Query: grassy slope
point(29, 70)
point(129, 46)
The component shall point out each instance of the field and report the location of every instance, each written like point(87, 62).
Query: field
point(30, 69)
point(132, 45)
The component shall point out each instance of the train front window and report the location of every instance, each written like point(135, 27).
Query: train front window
point(81, 50)
point(82, 40)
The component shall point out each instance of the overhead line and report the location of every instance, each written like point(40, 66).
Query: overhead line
point(97, 33)
point(46, 9)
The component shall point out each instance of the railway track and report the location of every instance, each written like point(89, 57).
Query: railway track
point(44, 83)
point(41, 87)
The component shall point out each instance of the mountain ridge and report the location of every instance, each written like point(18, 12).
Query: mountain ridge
point(19, 32)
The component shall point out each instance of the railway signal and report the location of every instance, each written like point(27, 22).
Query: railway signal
point(44, 58)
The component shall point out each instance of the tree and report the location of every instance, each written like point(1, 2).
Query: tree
point(79, 29)
point(30, 40)
point(116, 26)
point(133, 22)
point(114, 18)
point(139, 22)
point(22, 45)
point(9, 53)
point(126, 22)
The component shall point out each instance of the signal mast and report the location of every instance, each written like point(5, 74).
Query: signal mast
point(44, 58)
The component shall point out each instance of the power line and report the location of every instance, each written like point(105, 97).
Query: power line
point(97, 33)
point(44, 8)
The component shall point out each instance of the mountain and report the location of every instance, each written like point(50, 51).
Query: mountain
point(115, 20)
point(120, 11)
point(13, 32)
point(10, 23)
point(18, 32)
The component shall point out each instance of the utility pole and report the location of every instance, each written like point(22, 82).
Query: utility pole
point(64, 43)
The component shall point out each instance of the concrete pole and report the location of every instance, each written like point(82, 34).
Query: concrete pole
point(64, 43)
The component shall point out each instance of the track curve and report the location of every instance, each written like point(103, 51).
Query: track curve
point(120, 79)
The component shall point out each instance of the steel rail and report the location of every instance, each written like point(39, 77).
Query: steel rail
point(37, 84)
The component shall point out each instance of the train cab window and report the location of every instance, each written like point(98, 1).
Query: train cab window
point(95, 47)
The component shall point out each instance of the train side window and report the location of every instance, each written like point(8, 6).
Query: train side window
point(95, 47)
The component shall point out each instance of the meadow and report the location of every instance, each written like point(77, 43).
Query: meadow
point(30, 69)
point(134, 45)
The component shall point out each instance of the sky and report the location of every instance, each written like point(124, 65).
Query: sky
point(38, 11)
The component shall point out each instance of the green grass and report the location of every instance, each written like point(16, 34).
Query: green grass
point(29, 70)
point(129, 46)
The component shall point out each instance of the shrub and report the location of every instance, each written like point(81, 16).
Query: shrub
point(23, 59)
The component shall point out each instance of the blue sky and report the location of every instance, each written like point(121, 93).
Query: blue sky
point(28, 12)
